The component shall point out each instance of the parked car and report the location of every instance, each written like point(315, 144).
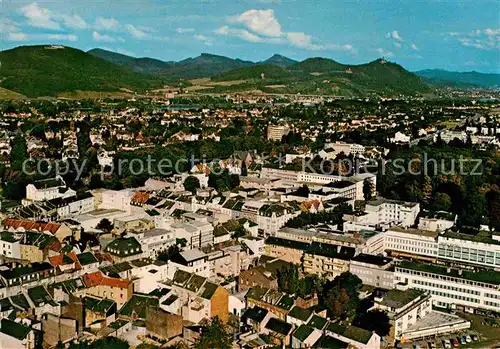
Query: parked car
point(431, 345)
point(455, 342)
point(462, 340)
point(446, 343)
point(468, 339)
point(475, 337)
point(417, 346)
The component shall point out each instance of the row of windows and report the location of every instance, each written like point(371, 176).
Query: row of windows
point(490, 295)
point(446, 287)
point(472, 254)
point(492, 304)
point(447, 278)
point(450, 295)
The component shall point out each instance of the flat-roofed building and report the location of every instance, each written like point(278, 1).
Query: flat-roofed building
point(373, 270)
point(452, 288)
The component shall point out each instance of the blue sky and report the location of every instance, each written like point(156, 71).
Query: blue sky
point(453, 35)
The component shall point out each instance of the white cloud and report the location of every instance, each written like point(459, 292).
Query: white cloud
point(62, 37)
point(414, 47)
point(397, 44)
point(17, 36)
point(302, 40)
point(136, 32)
point(492, 32)
point(394, 35)
point(184, 30)
point(74, 21)
point(262, 22)
point(385, 53)
point(39, 17)
point(8, 26)
point(241, 33)
point(482, 39)
point(106, 23)
point(206, 40)
point(44, 18)
point(102, 37)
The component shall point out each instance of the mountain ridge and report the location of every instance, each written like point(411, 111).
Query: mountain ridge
point(442, 77)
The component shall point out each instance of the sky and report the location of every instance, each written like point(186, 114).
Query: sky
point(418, 34)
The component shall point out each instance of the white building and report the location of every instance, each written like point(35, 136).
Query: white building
point(154, 241)
point(391, 212)
point(48, 189)
point(117, 199)
point(198, 233)
point(192, 261)
point(276, 132)
point(410, 242)
point(341, 147)
point(440, 221)
point(482, 249)
point(373, 270)
point(452, 288)
point(10, 245)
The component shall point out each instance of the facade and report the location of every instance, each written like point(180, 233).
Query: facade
point(404, 308)
point(191, 261)
point(383, 211)
point(276, 132)
point(327, 260)
point(47, 189)
point(373, 270)
point(452, 288)
point(411, 242)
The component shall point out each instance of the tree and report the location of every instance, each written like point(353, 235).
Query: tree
point(105, 225)
point(191, 183)
point(340, 296)
point(442, 202)
point(288, 279)
point(19, 152)
point(214, 335)
point(367, 189)
point(376, 320)
point(239, 232)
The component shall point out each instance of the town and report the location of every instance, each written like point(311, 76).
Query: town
point(261, 221)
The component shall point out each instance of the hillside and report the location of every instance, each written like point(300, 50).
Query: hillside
point(44, 71)
point(280, 61)
point(261, 71)
point(324, 76)
point(143, 65)
point(460, 79)
point(205, 65)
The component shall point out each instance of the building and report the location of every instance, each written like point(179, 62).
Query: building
point(10, 245)
point(154, 241)
point(265, 275)
point(327, 260)
point(16, 335)
point(191, 261)
point(412, 317)
point(199, 298)
point(391, 212)
point(276, 132)
point(290, 251)
point(373, 270)
point(163, 325)
point(452, 288)
point(48, 189)
point(411, 243)
point(354, 336)
point(482, 249)
point(124, 249)
point(98, 285)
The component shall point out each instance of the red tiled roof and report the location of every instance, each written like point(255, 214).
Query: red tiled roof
point(97, 279)
point(31, 225)
point(140, 197)
point(59, 259)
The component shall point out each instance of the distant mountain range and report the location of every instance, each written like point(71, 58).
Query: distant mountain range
point(51, 70)
point(443, 78)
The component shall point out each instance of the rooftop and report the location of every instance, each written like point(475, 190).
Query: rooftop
point(398, 298)
point(485, 276)
point(352, 332)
